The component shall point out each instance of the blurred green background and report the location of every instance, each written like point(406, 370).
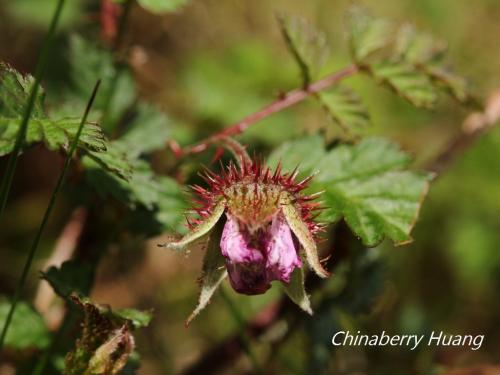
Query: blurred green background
point(212, 63)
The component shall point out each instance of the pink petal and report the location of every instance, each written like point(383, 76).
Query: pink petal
point(245, 263)
point(282, 257)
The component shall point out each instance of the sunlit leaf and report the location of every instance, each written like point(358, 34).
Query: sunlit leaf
point(55, 134)
point(368, 185)
point(27, 328)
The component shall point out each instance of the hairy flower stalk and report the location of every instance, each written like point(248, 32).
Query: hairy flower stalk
point(267, 221)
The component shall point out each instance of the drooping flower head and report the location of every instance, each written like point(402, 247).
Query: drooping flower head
point(267, 221)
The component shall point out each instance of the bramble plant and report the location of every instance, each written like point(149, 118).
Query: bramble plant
point(260, 218)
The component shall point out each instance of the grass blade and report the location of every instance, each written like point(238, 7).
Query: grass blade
point(34, 246)
point(40, 69)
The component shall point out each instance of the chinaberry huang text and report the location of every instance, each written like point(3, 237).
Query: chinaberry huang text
point(435, 338)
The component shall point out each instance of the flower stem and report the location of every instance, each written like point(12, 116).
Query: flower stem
point(50, 206)
point(289, 99)
point(21, 134)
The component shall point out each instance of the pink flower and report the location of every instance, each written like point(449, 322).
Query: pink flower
point(255, 259)
point(268, 224)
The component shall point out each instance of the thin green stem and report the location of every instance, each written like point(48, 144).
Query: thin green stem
point(238, 317)
point(21, 134)
point(34, 246)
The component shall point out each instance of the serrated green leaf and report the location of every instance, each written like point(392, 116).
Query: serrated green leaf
point(367, 34)
point(55, 134)
point(406, 81)
point(213, 271)
point(368, 185)
point(365, 184)
point(307, 45)
point(345, 162)
point(163, 6)
point(27, 328)
point(345, 108)
point(296, 291)
point(69, 278)
point(14, 93)
point(383, 205)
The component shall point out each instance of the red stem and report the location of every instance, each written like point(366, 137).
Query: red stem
point(289, 99)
